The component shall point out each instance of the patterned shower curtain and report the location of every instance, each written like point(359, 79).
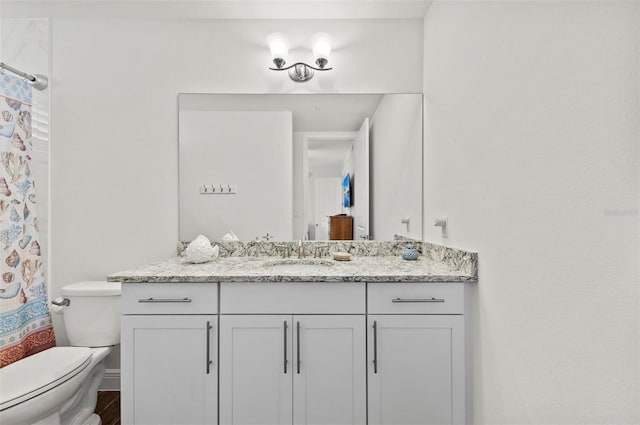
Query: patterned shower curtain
point(25, 320)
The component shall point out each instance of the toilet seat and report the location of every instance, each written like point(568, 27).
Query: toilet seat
point(40, 373)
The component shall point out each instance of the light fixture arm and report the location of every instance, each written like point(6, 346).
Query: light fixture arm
point(296, 64)
point(299, 72)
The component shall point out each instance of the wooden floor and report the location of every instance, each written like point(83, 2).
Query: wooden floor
point(108, 407)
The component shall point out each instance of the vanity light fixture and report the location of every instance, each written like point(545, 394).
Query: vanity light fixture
point(300, 72)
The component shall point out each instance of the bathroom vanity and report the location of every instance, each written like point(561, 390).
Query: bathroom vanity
point(270, 340)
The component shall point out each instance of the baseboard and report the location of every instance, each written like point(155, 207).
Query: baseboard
point(111, 380)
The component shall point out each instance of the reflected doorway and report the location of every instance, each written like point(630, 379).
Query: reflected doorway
point(326, 156)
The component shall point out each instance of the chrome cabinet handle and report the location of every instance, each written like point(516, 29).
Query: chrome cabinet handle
point(375, 347)
point(209, 361)
point(285, 346)
point(417, 300)
point(164, 300)
point(298, 345)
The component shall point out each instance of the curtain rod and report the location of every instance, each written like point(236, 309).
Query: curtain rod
point(39, 82)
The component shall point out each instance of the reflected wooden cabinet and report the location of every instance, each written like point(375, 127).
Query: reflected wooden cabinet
point(340, 227)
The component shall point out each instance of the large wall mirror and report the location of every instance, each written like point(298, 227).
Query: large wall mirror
point(300, 166)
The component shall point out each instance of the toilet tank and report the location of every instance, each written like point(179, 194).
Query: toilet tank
point(92, 318)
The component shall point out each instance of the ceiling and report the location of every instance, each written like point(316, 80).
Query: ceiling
point(219, 9)
point(326, 156)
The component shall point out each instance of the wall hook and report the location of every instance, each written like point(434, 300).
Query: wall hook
point(443, 223)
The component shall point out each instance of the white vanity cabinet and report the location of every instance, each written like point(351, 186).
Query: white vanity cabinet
point(169, 354)
point(292, 353)
point(416, 363)
point(288, 353)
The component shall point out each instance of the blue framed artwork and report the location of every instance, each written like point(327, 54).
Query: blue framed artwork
point(346, 191)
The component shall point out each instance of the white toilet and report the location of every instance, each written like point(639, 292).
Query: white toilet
point(59, 386)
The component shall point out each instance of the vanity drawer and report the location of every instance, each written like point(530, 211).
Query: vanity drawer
point(169, 298)
point(292, 298)
point(415, 298)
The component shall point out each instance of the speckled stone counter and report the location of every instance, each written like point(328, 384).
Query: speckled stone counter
point(371, 262)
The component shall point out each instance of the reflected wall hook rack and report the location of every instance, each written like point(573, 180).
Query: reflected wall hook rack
point(218, 189)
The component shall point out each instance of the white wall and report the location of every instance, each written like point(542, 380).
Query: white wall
point(114, 85)
point(299, 182)
point(250, 150)
point(396, 167)
point(531, 150)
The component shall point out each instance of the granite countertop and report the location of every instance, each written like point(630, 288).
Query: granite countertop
point(437, 264)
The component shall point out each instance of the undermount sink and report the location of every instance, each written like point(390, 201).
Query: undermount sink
point(298, 264)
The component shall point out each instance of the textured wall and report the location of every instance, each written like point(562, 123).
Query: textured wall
point(531, 149)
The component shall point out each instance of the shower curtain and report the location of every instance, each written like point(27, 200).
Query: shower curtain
point(25, 320)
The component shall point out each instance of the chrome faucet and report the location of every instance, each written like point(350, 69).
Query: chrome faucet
point(284, 248)
point(256, 249)
point(301, 247)
point(321, 250)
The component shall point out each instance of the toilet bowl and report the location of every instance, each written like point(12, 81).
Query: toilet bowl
point(59, 386)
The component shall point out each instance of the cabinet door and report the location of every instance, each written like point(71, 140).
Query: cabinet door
point(255, 369)
point(416, 369)
point(169, 373)
point(329, 379)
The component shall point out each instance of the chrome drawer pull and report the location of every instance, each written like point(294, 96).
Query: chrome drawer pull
point(209, 361)
point(165, 300)
point(375, 346)
point(285, 347)
point(298, 345)
point(417, 300)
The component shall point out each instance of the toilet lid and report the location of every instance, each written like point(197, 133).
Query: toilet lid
point(40, 372)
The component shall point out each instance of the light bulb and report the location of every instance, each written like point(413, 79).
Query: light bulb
point(321, 44)
point(278, 45)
